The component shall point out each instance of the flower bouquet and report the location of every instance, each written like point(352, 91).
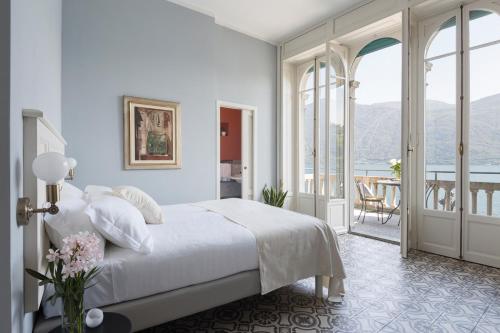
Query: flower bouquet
point(70, 270)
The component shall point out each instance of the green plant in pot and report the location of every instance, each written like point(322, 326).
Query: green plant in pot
point(274, 197)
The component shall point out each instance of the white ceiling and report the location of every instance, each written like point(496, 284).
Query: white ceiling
point(270, 20)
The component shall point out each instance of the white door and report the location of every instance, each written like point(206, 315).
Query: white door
point(481, 133)
point(458, 215)
point(321, 139)
point(406, 135)
point(439, 134)
point(308, 136)
point(247, 155)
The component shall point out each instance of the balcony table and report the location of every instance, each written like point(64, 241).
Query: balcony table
point(396, 183)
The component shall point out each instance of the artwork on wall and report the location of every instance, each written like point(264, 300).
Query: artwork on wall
point(152, 134)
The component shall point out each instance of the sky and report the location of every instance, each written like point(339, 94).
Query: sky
point(379, 73)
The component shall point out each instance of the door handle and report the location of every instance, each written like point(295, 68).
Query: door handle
point(244, 168)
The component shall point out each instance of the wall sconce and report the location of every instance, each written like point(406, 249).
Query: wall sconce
point(72, 165)
point(52, 168)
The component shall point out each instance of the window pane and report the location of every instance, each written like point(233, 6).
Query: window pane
point(337, 139)
point(308, 80)
point(307, 141)
point(440, 134)
point(484, 27)
point(445, 39)
point(484, 135)
point(322, 138)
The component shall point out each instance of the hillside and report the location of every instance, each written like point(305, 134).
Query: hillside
point(378, 126)
point(377, 129)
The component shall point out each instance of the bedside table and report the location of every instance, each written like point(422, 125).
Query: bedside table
point(112, 323)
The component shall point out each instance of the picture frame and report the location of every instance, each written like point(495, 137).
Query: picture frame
point(152, 133)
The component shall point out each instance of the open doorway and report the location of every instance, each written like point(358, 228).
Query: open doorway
point(236, 151)
point(230, 153)
point(375, 112)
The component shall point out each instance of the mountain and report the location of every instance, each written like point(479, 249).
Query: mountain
point(377, 132)
point(378, 127)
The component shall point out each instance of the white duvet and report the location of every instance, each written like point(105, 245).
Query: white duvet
point(193, 246)
point(291, 246)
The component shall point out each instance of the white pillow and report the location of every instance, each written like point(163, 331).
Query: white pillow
point(95, 192)
point(120, 223)
point(70, 220)
point(151, 211)
point(69, 191)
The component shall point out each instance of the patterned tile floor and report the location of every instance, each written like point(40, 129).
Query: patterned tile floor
point(425, 293)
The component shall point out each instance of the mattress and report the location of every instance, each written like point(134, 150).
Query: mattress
point(193, 246)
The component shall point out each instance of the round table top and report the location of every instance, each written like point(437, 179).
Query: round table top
point(389, 182)
point(113, 322)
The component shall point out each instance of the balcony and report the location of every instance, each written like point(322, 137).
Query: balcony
point(371, 226)
point(439, 195)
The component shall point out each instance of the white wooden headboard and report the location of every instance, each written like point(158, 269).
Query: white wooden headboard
point(39, 137)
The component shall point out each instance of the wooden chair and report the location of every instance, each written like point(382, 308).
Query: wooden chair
point(366, 196)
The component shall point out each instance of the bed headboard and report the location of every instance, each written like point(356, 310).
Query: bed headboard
point(39, 137)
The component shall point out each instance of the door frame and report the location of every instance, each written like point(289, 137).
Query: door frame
point(353, 64)
point(253, 109)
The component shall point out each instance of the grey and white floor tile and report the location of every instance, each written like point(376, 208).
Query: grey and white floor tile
point(384, 293)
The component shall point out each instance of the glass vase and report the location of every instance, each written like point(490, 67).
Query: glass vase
point(73, 316)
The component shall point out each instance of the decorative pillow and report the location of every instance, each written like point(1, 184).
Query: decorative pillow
point(120, 223)
point(69, 191)
point(95, 192)
point(151, 211)
point(70, 220)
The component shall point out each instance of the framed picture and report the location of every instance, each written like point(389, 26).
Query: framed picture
point(152, 134)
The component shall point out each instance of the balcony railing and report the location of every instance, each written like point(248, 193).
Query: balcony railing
point(439, 195)
point(388, 192)
point(436, 186)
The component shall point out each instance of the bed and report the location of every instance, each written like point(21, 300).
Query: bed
point(207, 254)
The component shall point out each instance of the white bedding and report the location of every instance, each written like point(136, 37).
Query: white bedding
point(191, 247)
point(291, 246)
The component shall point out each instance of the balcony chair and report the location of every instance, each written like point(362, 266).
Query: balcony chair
point(366, 196)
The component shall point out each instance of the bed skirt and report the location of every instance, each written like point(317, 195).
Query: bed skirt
point(160, 308)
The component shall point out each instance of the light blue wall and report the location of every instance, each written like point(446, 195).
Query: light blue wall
point(245, 73)
point(35, 80)
point(5, 196)
point(156, 49)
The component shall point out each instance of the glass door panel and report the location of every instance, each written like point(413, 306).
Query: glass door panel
point(440, 123)
point(337, 127)
point(321, 127)
point(306, 131)
point(484, 114)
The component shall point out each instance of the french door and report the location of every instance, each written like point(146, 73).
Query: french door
point(322, 137)
point(459, 169)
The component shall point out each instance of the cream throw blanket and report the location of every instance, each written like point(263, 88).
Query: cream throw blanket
point(291, 246)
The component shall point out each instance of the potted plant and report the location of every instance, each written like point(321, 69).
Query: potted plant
point(70, 270)
point(396, 168)
point(274, 197)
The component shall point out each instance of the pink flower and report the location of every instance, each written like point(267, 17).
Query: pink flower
point(53, 256)
point(79, 254)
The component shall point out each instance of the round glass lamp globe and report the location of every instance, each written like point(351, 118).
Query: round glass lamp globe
point(51, 167)
point(71, 162)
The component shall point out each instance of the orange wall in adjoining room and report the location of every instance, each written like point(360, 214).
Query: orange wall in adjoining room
point(230, 145)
